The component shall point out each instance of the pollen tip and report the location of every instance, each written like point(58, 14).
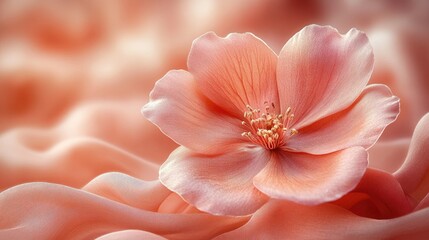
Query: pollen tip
point(293, 131)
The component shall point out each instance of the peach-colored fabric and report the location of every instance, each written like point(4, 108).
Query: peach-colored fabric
point(378, 195)
point(74, 74)
point(279, 220)
point(416, 163)
point(131, 234)
point(51, 211)
point(234, 85)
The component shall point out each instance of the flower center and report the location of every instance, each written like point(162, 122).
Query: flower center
point(268, 129)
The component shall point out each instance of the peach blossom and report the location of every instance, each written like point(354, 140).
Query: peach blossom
point(82, 69)
point(117, 206)
point(254, 125)
point(382, 206)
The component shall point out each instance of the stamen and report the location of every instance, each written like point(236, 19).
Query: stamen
point(293, 131)
point(268, 129)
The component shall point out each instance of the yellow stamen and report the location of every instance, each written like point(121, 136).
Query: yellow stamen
point(268, 129)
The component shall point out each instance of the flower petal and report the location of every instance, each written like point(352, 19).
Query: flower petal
point(321, 72)
point(190, 119)
point(312, 179)
point(220, 184)
point(234, 71)
point(359, 125)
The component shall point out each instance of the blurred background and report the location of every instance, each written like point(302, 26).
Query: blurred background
point(73, 70)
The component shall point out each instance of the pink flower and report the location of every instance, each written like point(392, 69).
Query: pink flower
point(118, 206)
point(254, 125)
